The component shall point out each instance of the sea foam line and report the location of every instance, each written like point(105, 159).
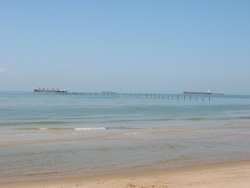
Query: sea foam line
point(58, 128)
point(89, 128)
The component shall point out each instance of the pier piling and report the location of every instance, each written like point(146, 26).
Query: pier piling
point(139, 95)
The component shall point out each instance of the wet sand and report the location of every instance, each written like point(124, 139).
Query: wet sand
point(223, 175)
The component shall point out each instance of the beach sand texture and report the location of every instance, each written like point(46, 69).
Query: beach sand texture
point(220, 175)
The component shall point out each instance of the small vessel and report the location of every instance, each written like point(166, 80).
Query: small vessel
point(47, 90)
point(201, 93)
point(108, 92)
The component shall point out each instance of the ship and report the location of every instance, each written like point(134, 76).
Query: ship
point(201, 93)
point(44, 90)
point(108, 92)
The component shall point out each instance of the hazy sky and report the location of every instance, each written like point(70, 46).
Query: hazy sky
point(167, 46)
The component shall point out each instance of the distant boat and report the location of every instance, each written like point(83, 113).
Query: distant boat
point(44, 90)
point(108, 92)
point(201, 93)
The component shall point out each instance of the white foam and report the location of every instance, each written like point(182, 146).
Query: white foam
point(43, 128)
point(89, 128)
point(132, 133)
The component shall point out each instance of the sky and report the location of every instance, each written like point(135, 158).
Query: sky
point(147, 46)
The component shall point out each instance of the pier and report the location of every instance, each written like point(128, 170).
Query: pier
point(141, 95)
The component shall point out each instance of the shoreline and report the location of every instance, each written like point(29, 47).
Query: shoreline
point(223, 174)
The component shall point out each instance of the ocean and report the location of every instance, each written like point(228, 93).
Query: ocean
point(46, 135)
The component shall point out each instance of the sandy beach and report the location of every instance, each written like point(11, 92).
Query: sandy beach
point(228, 175)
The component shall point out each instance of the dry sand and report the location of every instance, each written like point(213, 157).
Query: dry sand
point(221, 175)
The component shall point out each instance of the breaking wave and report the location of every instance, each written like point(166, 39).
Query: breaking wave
point(88, 128)
point(57, 128)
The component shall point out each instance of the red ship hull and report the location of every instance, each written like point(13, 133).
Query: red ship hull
point(201, 93)
point(196, 93)
point(59, 90)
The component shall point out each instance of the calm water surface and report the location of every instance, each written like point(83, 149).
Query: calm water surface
point(52, 135)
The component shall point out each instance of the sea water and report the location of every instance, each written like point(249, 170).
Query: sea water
point(50, 135)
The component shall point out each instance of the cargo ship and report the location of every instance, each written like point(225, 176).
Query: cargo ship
point(201, 93)
point(58, 90)
point(108, 92)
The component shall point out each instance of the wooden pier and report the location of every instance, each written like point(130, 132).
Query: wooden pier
point(141, 95)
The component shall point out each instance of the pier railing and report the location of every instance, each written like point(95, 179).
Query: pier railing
point(142, 95)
